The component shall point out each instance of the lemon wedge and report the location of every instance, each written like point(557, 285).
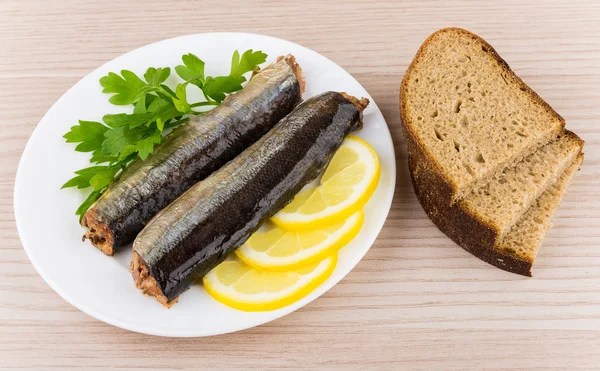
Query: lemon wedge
point(240, 286)
point(347, 184)
point(281, 250)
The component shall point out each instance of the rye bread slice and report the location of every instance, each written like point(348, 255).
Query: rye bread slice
point(466, 116)
point(524, 240)
point(487, 214)
point(516, 253)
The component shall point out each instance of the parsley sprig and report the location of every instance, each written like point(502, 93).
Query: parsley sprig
point(124, 137)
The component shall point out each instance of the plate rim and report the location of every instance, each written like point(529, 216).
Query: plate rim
point(388, 199)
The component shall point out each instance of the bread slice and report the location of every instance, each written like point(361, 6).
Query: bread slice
point(466, 116)
point(488, 213)
point(518, 250)
point(524, 240)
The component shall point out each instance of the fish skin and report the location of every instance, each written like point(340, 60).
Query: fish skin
point(192, 152)
point(198, 230)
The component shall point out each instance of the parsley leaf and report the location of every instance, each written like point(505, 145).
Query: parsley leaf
point(142, 104)
point(98, 157)
point(160, 108)
point(89, 135)
point(89, 201)
point(192, 70)
point(247, 63)
point(164, 109)
point(180, 102)
point(103, 177)
point(84, 176)
point(217, 87)
point(128, 88)
point(78, 181)
point(119, 137)
point(166, 92)
point(125, 119)
point(156, 76)
point(145, 146)
point(128, 151)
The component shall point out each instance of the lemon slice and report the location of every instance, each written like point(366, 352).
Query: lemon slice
point(346, 185)
point(240, 286)
point(281, 250)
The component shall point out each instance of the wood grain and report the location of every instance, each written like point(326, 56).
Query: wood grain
point(416, 301)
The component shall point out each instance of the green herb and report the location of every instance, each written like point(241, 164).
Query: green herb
point(124, 137)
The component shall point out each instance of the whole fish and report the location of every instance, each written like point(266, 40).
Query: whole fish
point(191, 153)
point(198, 230)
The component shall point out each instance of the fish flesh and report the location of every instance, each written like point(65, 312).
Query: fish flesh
point(191, 153)
point(198, 230)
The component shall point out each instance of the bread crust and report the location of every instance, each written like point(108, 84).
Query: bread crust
point(428, 169)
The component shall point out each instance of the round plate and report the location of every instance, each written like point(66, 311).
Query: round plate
point(102, 286)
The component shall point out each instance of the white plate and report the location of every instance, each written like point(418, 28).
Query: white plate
point(102, 286)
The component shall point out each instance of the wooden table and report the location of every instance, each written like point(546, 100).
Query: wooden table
point(417, 300)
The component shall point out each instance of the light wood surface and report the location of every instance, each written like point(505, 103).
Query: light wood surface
point(416, 301)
